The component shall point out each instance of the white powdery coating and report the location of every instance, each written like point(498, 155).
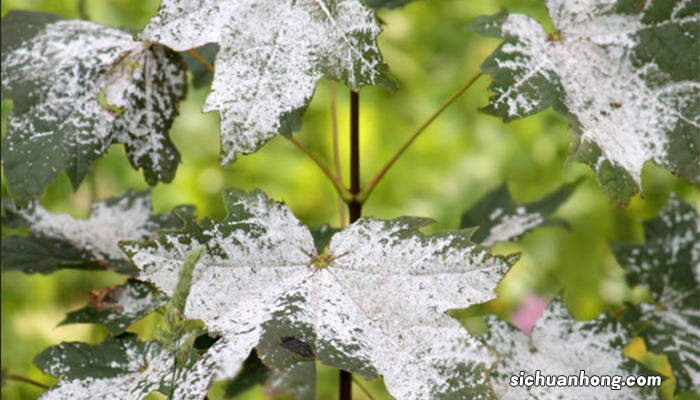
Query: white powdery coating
point(150, 369)
point(128, 219)
point(272, 54)
point(380, 300)
point(511, 226)
point(71, 64)
point(627, 119)
point(564, 347)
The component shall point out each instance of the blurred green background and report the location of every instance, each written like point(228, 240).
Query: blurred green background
point(463, 155)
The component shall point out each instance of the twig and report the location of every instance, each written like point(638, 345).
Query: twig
point(367, 190)
point(201, 59)
point(337, 183)
point(20, 378)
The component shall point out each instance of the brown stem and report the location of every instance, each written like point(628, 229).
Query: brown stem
point(364, 194)
point(336, 148)
point(354, 207)
point(201, 59)
point(24, 379)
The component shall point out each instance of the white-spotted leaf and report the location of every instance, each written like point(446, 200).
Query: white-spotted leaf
point(61, 241)
point(625, 73)
point(560, 345)
point(77, 88)
point(271, 55)
point(502, 219)
point(668, 263)
point(372, 304)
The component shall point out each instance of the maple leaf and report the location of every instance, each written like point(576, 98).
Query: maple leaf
point(61, 241)
point(121, 367)
point(630, 96)
point(560, 345)
point(668, 263)
point(502, 219)
point(271, 55)
point(372, 304)
point(77, 88)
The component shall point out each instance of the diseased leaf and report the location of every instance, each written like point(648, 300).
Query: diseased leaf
point(121, 367)
point(59, 241)
point(668, 263)
point(271, 55)
point(560, 345)
point(118, 307)
point(77, 88)
point(372, 304)
point(625, 73)
point(501, 219)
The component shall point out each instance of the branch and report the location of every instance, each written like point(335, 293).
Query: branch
point(20, 378)
point(201, 59)
point(367, 190)
point(337, 183)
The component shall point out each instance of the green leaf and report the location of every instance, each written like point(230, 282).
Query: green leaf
point(56, 241)
point(118, 307)
point(561, 345)
point(625, 73)
point(668, 263)
point(501, 219)
point(271, 55)
point(373, 303)
point(77, 88)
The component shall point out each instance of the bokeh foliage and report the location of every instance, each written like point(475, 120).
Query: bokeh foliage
point(463, 155)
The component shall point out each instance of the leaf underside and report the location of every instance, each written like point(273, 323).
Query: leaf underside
point(271, 56)
point(668, 263)
point(625, 73)
point(262, 283)
point(77, 88)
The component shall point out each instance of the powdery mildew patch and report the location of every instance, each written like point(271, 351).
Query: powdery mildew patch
point(271, 56)
point(148, 370)
point(559, 345)
point(669, 265)
point(129, 218)
point(373, 304)
point(591, 63)
point(79, 87)
point(511, 226)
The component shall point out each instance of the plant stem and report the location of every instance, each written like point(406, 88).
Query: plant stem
point(363, 388)
point(367, 190)
point(20, 378)
point(337, 183)
point(336, 148)
point(201, 59)
point(354, 207)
